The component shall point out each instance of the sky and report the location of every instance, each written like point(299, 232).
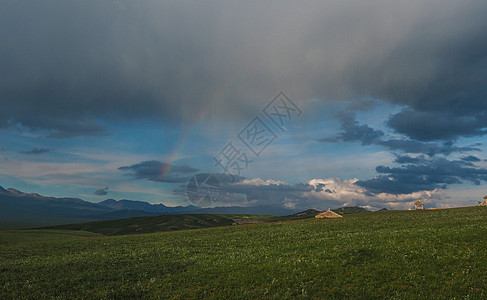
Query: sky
point(297, 104)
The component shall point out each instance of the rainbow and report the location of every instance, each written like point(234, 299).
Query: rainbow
point(185, 135)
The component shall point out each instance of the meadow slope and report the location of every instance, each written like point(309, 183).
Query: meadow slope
point(405, 254)
point(140, 225)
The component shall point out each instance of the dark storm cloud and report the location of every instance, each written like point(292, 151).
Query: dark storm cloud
point(423, 174)
point(471, 158)
point(442, 125)
point(159, 171)
point(363, 105)
point(405, 159)
point(399, 184)
point(67, 65)
point(352, 131)
point(270, 193)
point(416, 173)
point(431, 149)
point(35, 151)
point(101, 192)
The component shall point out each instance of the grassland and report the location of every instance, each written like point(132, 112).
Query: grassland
point(10, 236)
point(402, 255)
point(140, 225)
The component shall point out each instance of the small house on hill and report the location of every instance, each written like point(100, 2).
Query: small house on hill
point(418, 205)
point(328, 215)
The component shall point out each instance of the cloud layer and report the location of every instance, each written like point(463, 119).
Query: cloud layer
point(159, 171)
point(75, 68)
point(317, 193)
point(417, 173)
point(352, 131)
point(64, 66)
point(35, 151)
point(101, 191)
point(421, 174)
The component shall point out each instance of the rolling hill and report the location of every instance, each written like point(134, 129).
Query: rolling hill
point(162, 223)
point(144, 224)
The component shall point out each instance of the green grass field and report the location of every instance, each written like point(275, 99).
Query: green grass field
point(11, 236)
point(438, 254)
point(140, 225)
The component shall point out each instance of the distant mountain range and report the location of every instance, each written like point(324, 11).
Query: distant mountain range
point(23, 210)
point(144, 206)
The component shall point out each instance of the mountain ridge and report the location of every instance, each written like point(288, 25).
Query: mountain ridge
point(23, 210)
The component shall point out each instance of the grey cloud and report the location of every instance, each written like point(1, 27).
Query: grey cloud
point(72, 128)
point(159, 171)
point(416, 173)
point(267, 192)
point(431, 149)
point(399, 184)
point(405, 159)
point(422, 175)
point(319, 187)
point(352, 131)
point(363, 105)
point(35, 151)
point(426, 126)
point(101, 192)
point(78, 62)
point(471, 158)
point(276, 194)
